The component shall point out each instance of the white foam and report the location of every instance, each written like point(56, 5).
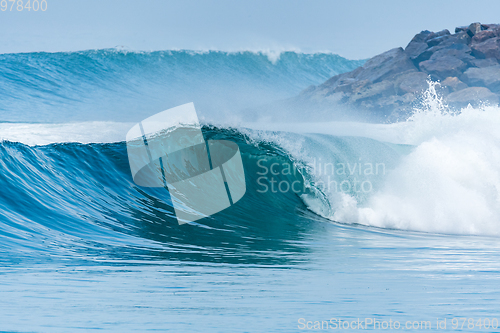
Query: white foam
point(450, 182)
point(84, 132)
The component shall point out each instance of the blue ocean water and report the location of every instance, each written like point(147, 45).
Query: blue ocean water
point(117, 85)
point(392, 222)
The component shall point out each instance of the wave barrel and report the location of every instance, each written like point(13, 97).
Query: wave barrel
point(168, 150)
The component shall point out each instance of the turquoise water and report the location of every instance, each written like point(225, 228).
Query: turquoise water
point(83, 248)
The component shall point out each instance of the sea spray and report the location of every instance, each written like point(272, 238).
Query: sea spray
point(449, 183)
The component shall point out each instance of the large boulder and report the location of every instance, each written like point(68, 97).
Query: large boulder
point(484, 35)
point(484, 62)
point(435, 38)
point(410, 82)
point(452, 84)
point(458, 50)
point(373, 91)
point(442, 67)
point(474, 28)
point(489, 48)
point(417, 45)
point(472, 95)
point(488, 77)
point(341, 79)
point(490, 26)
point(385, 65)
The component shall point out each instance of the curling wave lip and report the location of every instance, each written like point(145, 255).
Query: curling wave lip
point(168, 150)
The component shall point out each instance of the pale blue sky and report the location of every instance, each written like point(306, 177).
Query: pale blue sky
point(354, 29)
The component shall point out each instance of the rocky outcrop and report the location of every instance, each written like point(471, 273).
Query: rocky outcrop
point(467, 63)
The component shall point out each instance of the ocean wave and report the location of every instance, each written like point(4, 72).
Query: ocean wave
point(440, 168)
point(67, 188)
point(72, 199)
point(111, 84)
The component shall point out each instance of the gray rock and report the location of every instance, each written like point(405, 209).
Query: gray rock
point(417, 45)
point(484, 62)
point(441, 68)
point(373, 91)
point(473, 29)
point(338, 80)
point(483, 77)
point(438, 40)
point(435, 38)
point(484, 35)
point(489, 48)
point(459, 51)
point(453, 84)
point(410, 82)
point(414, 49)
point(438, 34)
point(420, 37)
point(386, 64)
point(490, 26)
point(473, 96)
point(421, 54)
point(391, 101)
point(345, 86)
point(453, 40)
point(461, 37)
point(360, 85)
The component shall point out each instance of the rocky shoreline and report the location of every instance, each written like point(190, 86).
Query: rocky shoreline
point(465, 63)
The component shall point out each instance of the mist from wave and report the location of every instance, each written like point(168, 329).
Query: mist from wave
point(446, 178)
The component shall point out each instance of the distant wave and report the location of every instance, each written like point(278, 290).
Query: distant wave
point(113, 84)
